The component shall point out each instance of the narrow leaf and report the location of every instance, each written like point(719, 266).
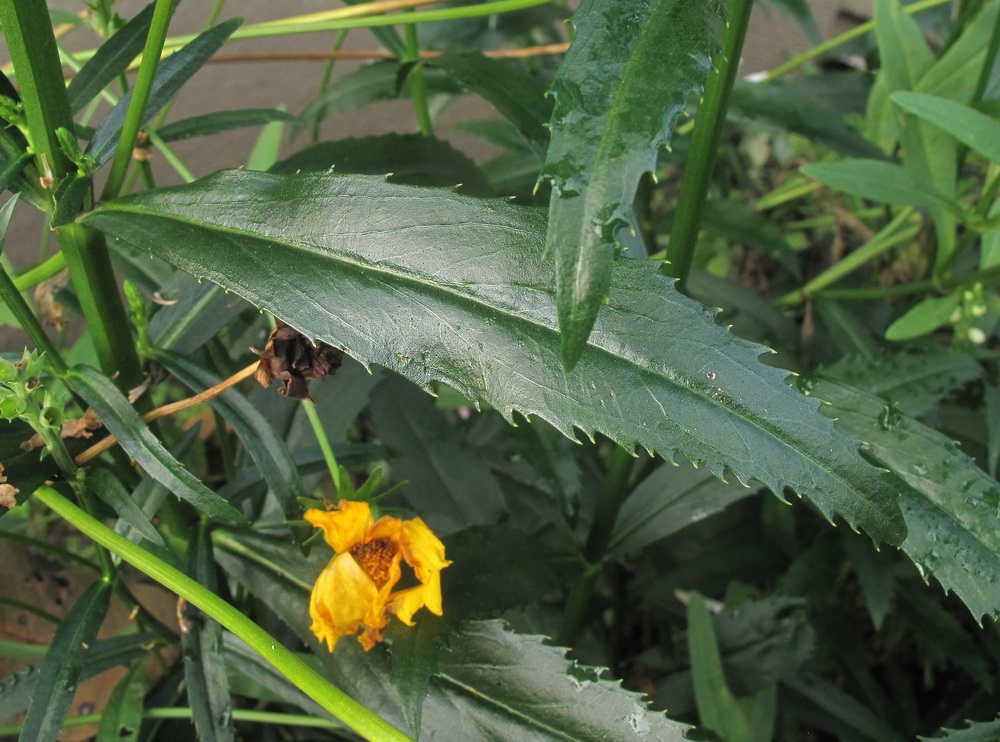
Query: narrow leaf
point(390, 291)
point(124, 422)
point(975, 130)
point(215, 123)
point(111, 60)
point(60, 671)
point(171, 75)
point(924, 317)
point(204, 662)
point(263, 444)
point(121, 718)
point(629, 73)
point(950, 504)
point(415, 651)
point(717, 707)
point(107, 487)
point(879, 181)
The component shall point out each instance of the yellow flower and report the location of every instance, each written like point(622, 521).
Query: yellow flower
point(356, 588)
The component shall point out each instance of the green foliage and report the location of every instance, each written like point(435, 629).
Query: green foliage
point(493, 347)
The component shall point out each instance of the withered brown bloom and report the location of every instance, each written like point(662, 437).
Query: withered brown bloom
point(291, 357)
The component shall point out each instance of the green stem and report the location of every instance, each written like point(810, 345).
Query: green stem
point(892, 234)
point(33, 277)
point(947, 284)
point(140, 97)
point(324, 81)
point(705, 145)
point(314, 685)
point(418, 88)
point(861, 30)
point(609, 502)
point(324, 443)
point(181, 712)
point(35, 56)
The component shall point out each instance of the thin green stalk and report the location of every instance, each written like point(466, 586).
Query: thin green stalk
point(324, 443)
point(705, 145)
point(418, 88)
point(890, 235)
point(325, 78)
point(609, 502)
point(992, 49)
point(350, 712)
point(140, 97)
point(946, 284)
point(182, 712)
point(821, 49)
point(42, 271)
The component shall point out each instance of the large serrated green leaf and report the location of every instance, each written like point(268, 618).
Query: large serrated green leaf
point(526, 690)
point(631, 68)
point(443, 287)
point(951, 506)
point(987, 731)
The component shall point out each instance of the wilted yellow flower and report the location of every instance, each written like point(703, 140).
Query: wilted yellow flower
point(356, 588)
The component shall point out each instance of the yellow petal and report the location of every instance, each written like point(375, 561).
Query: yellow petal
point(344, 527)
point(422, 550)
point(341, 600)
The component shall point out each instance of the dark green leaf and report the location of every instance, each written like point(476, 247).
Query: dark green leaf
point(447, 479)
point(792, 111)
point(204, 663)
point(825, 705)
point(107, 487)
point(528, 691)
point(915, 379)
point(666, 501)
point(987, 731)
point(718, 710)
point(215, 123)
point(171, 74)
point(876, 576)
point(415, 651)
point(879, 181)
point(63, 665)
point(517, 94)
point(407, 158)
point(122, 716)
point(628, 75)
point(124, 422)
point(200, 313)
point(71, 195)
point(391, 292)
point(111, 60)
point(263, 444)
point(499, 567)
point(950, 505)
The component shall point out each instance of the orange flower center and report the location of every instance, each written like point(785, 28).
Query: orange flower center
point(374, 559)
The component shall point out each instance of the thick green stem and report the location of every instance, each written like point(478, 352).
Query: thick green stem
point(350, 712)
point(140, 97)
point(705, 145)
point(35, 55)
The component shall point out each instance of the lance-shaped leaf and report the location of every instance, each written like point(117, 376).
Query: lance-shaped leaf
point(950, 505)
point(628, 75)
point(443, 287)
